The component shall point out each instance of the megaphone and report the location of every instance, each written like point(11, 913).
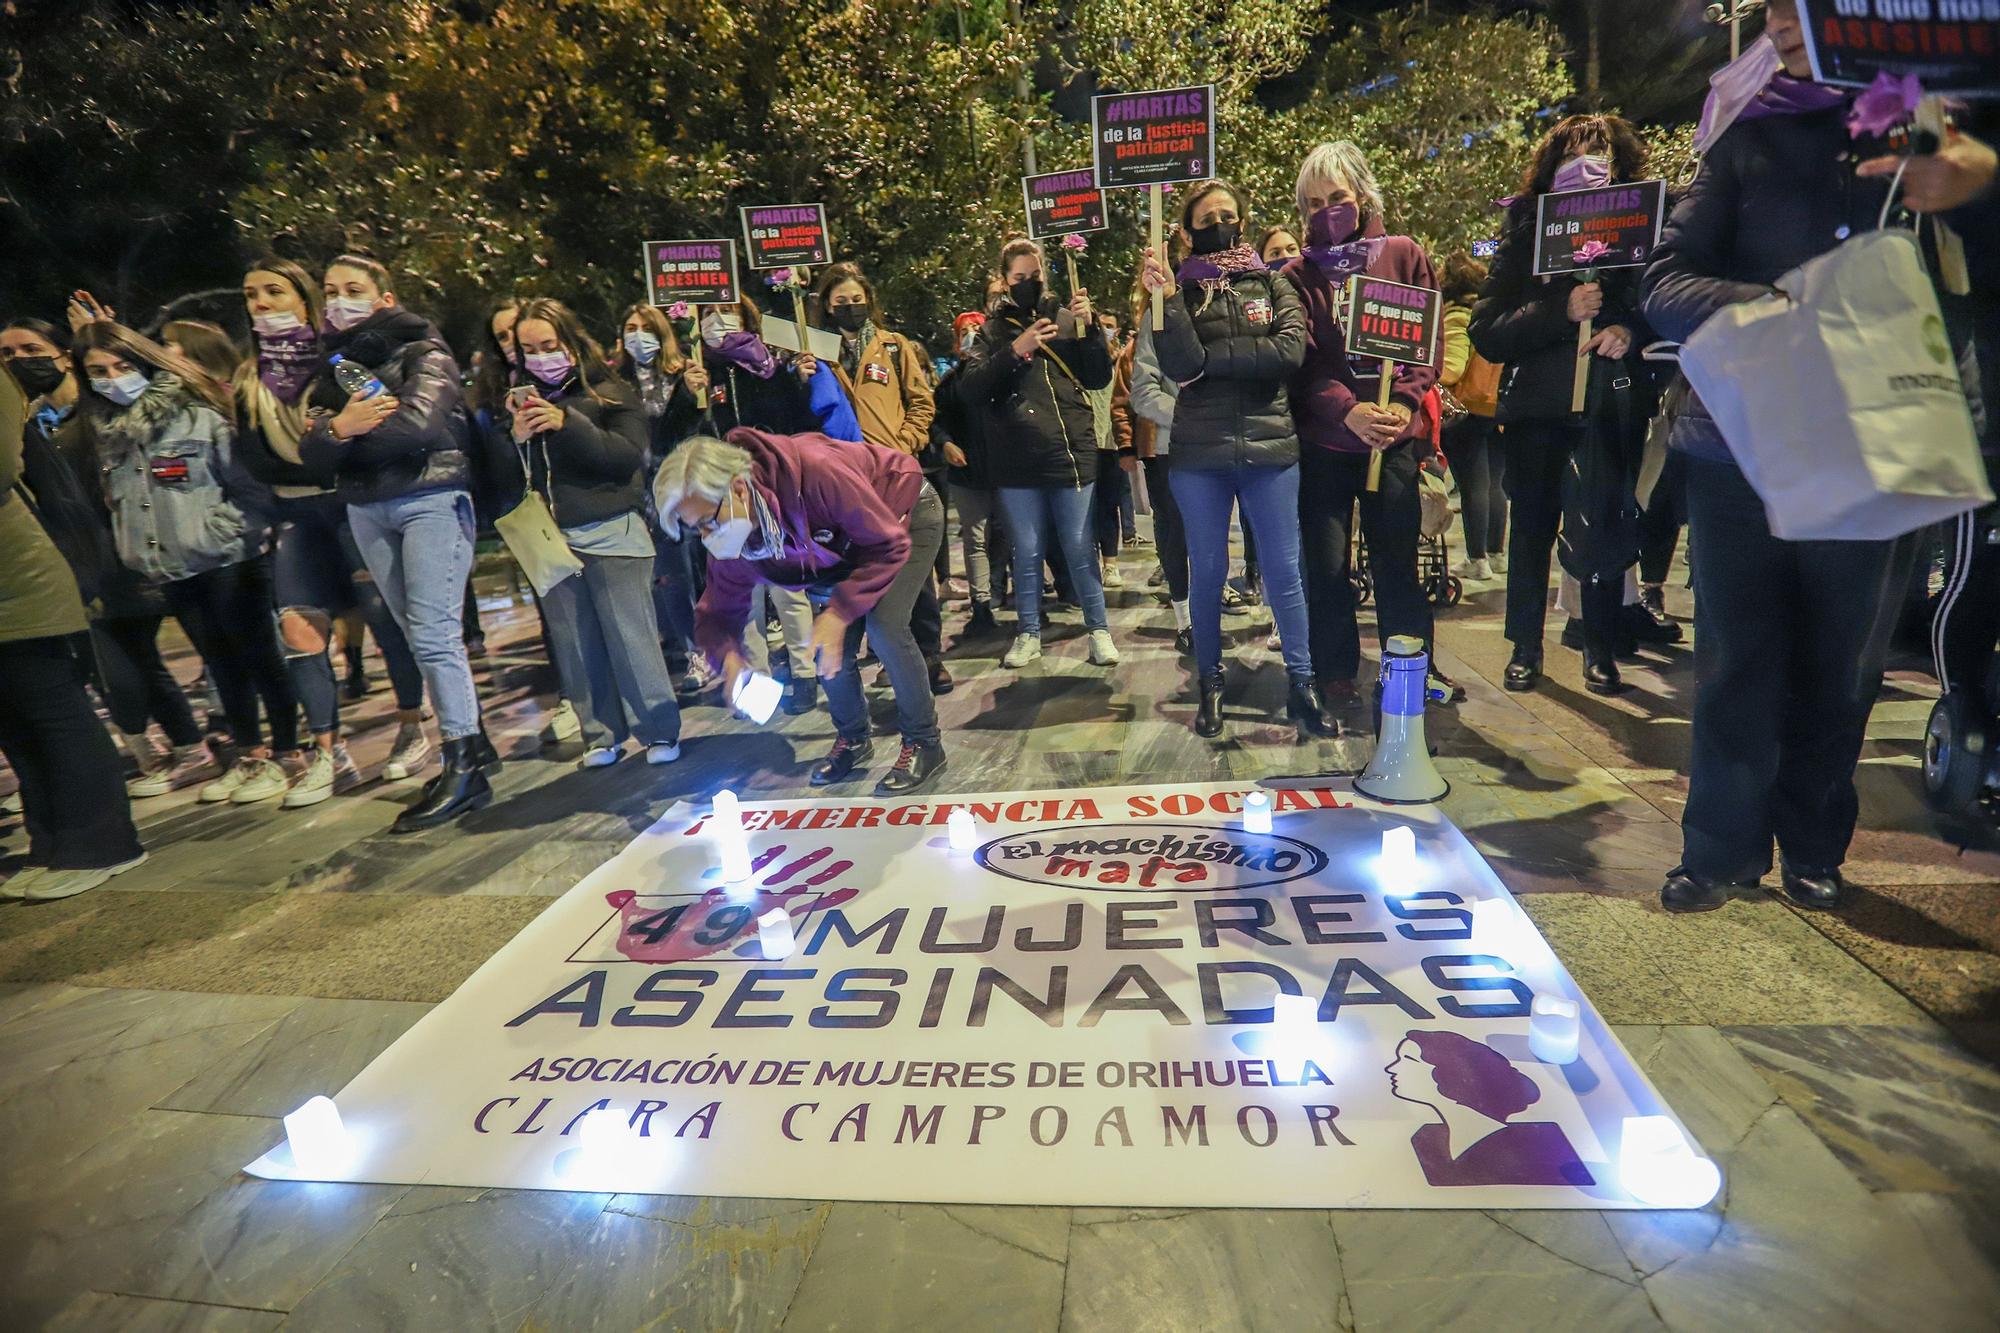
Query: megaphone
point(1401, 773)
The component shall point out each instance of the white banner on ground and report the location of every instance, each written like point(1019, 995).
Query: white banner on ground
point(1120, 996)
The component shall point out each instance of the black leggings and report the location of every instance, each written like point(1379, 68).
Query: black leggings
point(1169, 537)
point(229, 616)
point(135, 682)
point(1473, 448)
point(72, 780)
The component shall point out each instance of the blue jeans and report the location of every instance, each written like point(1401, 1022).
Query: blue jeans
point(1029, 512)
point(419, 550)
point(1269, 498)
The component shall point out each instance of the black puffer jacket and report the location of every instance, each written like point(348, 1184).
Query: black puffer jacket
point(965, 426)
point(1036, 422)
point(1771, 194)
point(592, 469)
point(425, 446)
point(1233, 347)
point(1522, 321)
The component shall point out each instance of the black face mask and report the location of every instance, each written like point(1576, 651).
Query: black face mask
point(848, 318)
point(1216, 237)
point(1025, 294)
point(36, 375)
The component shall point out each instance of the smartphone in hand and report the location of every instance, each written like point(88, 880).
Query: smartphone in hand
point(518, 396)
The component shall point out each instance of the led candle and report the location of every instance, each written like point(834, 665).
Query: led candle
point(1555, 1029)
point(1398, 868)
point(963, 830)
point(1659, 1167)
point(757, 696)
point(774, 934)
point(1257, 812)
point(320, 1143)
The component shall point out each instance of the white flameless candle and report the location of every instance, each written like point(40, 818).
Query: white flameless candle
point(1257, 812)
point(962, 829)
point(728, 812)
point(774, 934)
point(1555, 1029)
point(320, 1144)
point(757, 696)
point(1398, 868)
point(1658, 1166)
point(735, 859)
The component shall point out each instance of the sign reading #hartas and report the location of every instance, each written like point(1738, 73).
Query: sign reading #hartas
point(698, 272)
point(1118, 997)
point(1062, 203)
point(1153, 138)
point(1390, 321)
point(1613, 226)
point(784, 235)
point(1952, 46)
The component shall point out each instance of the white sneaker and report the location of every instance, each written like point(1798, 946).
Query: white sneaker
point(1497, 563)
point(1025, 649)
point(314, 785)
point(563, 724)
point(266, 781)
point(346, 773)
point(1103, 652)
point(1113, 579)
point(409, 755)
point(1473, 569)
point(663, 754)
point(50, 885)
point(603, 756)
point(225, 787)
point(187, 763)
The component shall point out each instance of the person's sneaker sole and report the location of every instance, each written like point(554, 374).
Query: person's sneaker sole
point(50, 888)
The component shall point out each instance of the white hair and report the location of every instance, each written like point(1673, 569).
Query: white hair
point(1339, 163)
point(700, 466)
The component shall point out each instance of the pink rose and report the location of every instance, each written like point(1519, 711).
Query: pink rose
point(1075, 241)
point(1590, 252)
point(680, 310)
point(1884, 104)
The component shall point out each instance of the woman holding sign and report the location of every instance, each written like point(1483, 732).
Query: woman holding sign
point(1530, 324)
point(1344, 418)
point(1235, 335)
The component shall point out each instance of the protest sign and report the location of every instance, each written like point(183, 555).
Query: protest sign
point(1581, 231)
point(697, 272)
point(786, 235)
point(1389, 322)
point(1951, 46)
point(1062, 203)
point(1152, 139)
point(1116, 996)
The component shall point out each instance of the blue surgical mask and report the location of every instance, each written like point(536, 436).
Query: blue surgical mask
point(642, 347)
point(124, 390)
point(1589, 172)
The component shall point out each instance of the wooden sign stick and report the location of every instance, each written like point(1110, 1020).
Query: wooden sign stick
point(1159, 295)
point(1582, 381)
point(1381, 400)
point(799, 277)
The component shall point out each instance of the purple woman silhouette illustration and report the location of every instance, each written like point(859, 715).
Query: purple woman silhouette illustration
point(1476, 1092)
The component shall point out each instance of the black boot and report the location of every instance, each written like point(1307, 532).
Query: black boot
point(981, 624)
point(1307, 712)
point(941, 681)
point(483, 753)
point(914, 767)
point(1600, 673)
point(1643, 624)
point(1688, 892)
point(1524, 671)
point(1816, 890)
point(1208, 718)
point(356, 687)
point(841, 761)
point(1184, 643)
point(459, 788)
point(803, 696)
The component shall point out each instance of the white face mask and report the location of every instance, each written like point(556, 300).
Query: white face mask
point(642, 347)
point(276, 324)
point(344, 312)
point(717, 325)
point(123, 390)
point(728, 538)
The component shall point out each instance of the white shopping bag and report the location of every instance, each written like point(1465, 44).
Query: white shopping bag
point(1840, 398)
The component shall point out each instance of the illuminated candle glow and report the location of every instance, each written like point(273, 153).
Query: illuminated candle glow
point(1257, 812)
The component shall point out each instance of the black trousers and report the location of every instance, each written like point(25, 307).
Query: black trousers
point(1472, 444)
point(1112, 486)
point(1660, 523)
point(1169, 537)
point(1790, 639)
point(1968, 615)
point(134, 679)
point(72, 780)
point(1330, 484)
point(229, 615)
point(1538, 454)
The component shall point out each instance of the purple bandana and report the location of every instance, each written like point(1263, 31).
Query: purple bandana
point(286, 362)
point(745, 351)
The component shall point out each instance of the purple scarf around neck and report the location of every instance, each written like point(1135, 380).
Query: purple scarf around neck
point(286, 363)
point(1218, 266)
point(1787, 96)
point(1344, 261)
point(745, 351)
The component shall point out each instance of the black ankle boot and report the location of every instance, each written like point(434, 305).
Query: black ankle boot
point(1304, 707)
point(356, 686)
point(1208, 719)
point(1688, 892)
point(483, 753)
point(1600, 672)
point(1818, 890)
point(1524, 672)
point(803, 696)
point(458, 789)
point(841, 762)
point(913, 769)
point(981, 623)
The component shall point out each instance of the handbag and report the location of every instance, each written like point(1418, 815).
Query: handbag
point(1600, 519)
point(533, 539)
point(1839, 396)
point(1450, 410)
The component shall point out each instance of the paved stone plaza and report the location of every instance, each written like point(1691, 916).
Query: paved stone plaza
point(151, 1034)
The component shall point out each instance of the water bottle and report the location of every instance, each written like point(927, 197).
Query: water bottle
point(356, 379)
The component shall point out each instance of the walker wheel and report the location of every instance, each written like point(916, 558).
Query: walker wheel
point(1956, 756)
point(1454, 590)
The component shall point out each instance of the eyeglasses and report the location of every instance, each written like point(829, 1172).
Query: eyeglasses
point(707, 525)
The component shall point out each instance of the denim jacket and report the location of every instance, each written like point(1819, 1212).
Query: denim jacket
point(171, 482)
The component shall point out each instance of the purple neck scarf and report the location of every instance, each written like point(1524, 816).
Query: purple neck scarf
point(1787, 96)
point(745, 351)
point(1333, 246)
point(1216, 267)
point(286, 363)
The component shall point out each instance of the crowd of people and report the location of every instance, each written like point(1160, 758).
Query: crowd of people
point(673, 497)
